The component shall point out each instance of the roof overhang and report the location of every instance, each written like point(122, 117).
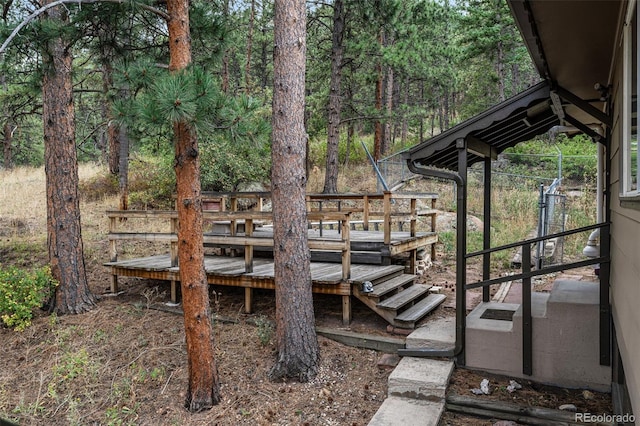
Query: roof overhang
point(518, 119)
point(572, 44)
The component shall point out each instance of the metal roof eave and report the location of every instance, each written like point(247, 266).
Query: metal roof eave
point(430, 152)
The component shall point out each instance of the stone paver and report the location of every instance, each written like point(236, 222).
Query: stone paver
point(396, 411)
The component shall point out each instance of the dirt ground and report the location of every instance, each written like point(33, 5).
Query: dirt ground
point(125, 363)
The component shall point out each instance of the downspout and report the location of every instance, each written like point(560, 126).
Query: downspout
point(460, 265)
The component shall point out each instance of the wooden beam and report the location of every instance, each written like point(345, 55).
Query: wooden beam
point(585, 106)
point(362, 340)
point(481, 148)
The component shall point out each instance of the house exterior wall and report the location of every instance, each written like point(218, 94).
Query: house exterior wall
point(625, 254)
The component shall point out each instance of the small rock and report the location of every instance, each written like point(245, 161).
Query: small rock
point(513, 386)
point(484, 388)
point(324, 392)
point(568, 407)
point(388, 361)
point(505, 423)
point(588, 395)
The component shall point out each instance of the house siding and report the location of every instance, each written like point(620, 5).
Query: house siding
point(625, 257)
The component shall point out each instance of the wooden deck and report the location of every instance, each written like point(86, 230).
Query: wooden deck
point(230, 271)
point(247, 263)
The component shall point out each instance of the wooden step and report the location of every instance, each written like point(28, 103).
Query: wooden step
point(419, 310)
point(378, 275)
point(388, 286)
point(404, 297)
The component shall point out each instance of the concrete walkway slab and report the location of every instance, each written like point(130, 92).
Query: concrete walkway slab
point(396, 411)
point(438, 334)
point(420, 378)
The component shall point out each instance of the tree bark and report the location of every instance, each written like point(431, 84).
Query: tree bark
point(7, 141)
point(335, 100)
point(297, 343)
point(64, 236)
point(377, 137)
point(203, 390)
point(387, 143)
point(123, 166)
point(225, 55)
point(247, 65)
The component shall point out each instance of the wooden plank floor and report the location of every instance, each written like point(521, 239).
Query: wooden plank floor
point(225, 266)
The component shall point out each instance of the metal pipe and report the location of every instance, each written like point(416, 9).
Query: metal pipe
point(460, 265)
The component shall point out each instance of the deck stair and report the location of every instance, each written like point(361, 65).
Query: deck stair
point(397, 298)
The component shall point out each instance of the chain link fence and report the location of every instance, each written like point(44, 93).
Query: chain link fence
point(540, 194)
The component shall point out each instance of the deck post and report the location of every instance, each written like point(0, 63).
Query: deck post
point(248, 300)
point(174, 291)
point(365, 213)
point(113, 254)
point(114, 283)
point(387, 218)
point(346, 310)
point(248, 249)
point(232, 229)
point(346, 251)
point(174, 244)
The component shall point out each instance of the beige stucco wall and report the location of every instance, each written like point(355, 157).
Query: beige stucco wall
point(625, 260)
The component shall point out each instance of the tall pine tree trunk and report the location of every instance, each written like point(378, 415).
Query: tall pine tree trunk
point(225, 55)
point(297, 343)
point(7, 131)
point(204, 390)
point(335, 100)
point(64, 236)
point(377, 136)
point(7, 144)
point(247, 65)
point(386, 146)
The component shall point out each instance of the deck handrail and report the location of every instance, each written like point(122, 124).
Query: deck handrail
point(247, 240)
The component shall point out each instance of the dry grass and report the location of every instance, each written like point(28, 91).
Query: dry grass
point(125, 362)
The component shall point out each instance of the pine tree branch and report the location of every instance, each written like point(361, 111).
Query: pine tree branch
point(46, 7)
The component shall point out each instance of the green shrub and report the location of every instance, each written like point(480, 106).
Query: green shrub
point(21, 292)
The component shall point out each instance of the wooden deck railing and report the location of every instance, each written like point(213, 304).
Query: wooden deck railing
point(232, 239)
point(386, 209)
point(231, 209)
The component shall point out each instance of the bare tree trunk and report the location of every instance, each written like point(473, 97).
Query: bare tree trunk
point(335, 100)
point(264, 57)
point(500, 70)
point(386, 146)
point(404, 127)
point(113, 147)
point(247, 65)
point(64, 236)
point(7, 141)
point(225, 56)
point(297, 343)
point(204, 389)
point(123, 167)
